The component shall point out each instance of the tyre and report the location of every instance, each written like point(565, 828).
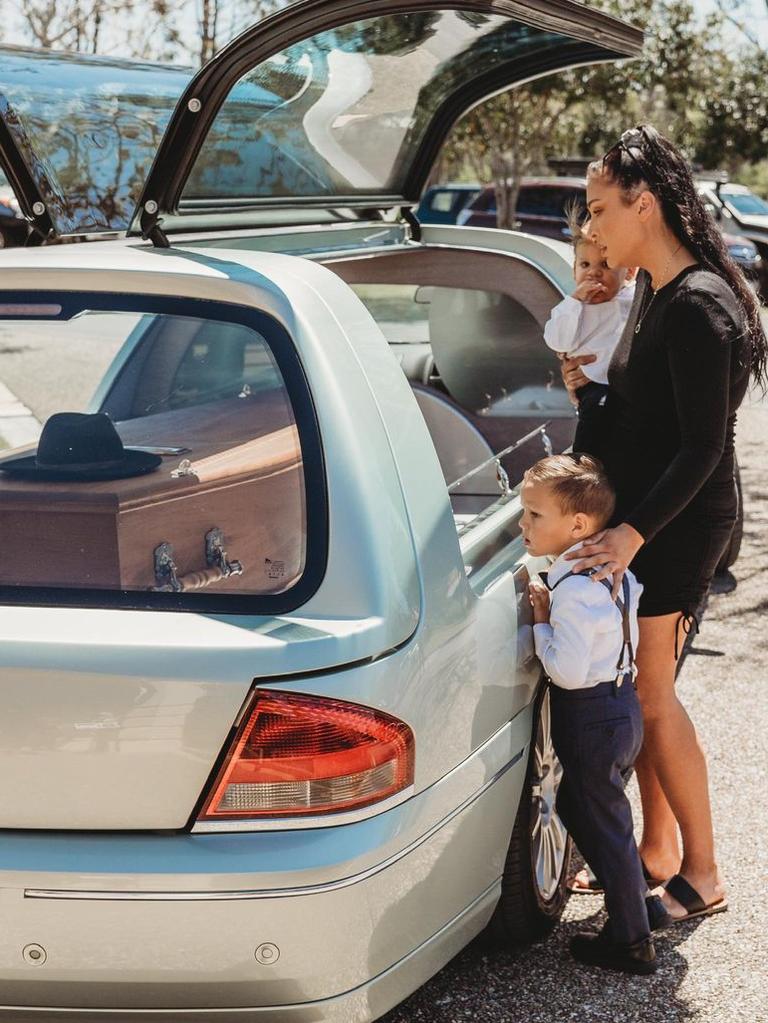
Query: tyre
point(533, 892)
point(731, 552)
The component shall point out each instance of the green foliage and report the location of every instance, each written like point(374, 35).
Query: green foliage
point(711, 101)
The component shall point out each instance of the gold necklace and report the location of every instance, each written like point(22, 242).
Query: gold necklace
point(655, 291)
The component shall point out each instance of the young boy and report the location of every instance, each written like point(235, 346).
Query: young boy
point(586, 642)
point(590, 322)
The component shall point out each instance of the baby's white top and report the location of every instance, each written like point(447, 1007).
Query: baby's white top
point(580, 329)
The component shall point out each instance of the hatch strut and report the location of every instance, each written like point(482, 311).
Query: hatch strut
point(150, 226)
point(412, 221)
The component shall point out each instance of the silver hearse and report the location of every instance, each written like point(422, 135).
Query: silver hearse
point(272, 738)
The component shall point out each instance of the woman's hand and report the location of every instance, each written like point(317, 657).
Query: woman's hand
point(611, 550)
point(539, 597)
point(573, 375)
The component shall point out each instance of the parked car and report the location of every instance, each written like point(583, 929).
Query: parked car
point(541, 209)
point(743, 217)
point(273, 737)
point(441, 204)
point(13, 227)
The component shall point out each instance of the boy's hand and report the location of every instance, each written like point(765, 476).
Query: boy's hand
point(589, 291)
point(539, 597)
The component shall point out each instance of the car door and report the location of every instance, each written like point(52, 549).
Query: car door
point(320, 105)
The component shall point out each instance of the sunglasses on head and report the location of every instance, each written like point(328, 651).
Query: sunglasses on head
point(631, 139)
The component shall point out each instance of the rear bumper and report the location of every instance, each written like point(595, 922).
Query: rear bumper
point(372, 924)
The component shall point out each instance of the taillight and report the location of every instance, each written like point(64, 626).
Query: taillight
point(297, 755)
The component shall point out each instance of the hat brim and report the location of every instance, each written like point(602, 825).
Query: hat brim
point(134, 463)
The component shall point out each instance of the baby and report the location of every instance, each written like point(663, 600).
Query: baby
point(590, 322)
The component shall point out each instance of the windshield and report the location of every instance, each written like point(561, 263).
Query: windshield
point(747, 203)
point(345, 111)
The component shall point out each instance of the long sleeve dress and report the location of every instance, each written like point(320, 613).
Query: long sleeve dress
point(668, 441)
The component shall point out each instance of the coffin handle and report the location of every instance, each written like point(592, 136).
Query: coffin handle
point(218, 566)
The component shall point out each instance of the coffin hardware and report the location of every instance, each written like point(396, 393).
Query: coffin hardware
point(166, 573)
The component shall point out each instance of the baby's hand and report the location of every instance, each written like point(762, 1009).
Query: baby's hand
point(589, 291)
point(539, 597)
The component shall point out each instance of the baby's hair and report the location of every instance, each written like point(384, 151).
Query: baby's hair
point(580, 484)
point(576, 217)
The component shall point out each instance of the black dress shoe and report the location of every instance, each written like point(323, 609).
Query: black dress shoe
point(658, 917)
point(599, 950)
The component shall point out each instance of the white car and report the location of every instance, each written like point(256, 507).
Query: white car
point(273, 740)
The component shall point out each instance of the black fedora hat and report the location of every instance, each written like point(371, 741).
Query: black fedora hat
point(80, 446)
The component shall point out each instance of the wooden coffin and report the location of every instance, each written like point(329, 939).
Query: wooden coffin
point(244, 478)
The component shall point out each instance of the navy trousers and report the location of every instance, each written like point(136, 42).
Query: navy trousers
point(597, 734)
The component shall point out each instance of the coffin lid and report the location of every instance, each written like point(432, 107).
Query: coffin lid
point(321, 105)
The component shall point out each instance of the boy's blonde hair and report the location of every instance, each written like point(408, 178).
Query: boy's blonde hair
point(579, 483)
point(576, 217)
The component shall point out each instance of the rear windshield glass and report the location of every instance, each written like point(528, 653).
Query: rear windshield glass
point(345, 111)
point(88, 128)
point(749, 204)
point(151, 453)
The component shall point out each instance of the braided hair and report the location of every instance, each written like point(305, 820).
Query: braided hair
point(642, 160)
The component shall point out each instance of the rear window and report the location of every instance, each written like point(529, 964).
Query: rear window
point(442, 202)
point(155, 453)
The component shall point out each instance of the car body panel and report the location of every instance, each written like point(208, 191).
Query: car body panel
point(360, 610)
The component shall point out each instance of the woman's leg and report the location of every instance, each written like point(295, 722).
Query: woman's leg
point(672, 770)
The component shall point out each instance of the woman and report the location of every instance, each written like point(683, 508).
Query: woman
point(676, 379)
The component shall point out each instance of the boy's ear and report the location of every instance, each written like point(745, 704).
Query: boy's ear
point(630, 274)
point(582, 526)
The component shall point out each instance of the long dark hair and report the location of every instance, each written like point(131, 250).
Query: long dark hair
point(644, 157)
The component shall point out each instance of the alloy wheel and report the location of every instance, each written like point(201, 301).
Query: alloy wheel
point(549, 838)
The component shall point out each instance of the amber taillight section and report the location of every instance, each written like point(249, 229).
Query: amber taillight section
point(305, 755)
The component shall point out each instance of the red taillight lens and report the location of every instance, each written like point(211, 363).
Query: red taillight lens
point(310, 755)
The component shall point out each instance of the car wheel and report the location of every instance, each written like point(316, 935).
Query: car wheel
point(731, 552)
point(533, 892)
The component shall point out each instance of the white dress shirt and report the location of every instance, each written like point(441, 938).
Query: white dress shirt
point(578, 328)
point(580, 645)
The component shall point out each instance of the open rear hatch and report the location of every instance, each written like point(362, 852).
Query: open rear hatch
point(322, 105)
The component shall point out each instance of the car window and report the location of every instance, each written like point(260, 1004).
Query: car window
point(401, 310)
point(541, 201)
point(442, 201)
point(93, 127)
point(344, 112)
point(485, 202)
point(748, 204)
point(196, 485)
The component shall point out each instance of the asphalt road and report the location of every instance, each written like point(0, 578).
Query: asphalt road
point(713, 970)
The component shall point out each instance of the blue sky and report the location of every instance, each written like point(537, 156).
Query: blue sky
point(115, 36)
point(753, 12)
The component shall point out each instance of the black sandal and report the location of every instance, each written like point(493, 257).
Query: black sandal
point(690, 900)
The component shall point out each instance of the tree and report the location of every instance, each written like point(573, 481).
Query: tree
point(582, 112)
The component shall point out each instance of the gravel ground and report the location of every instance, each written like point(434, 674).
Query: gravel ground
point(712, 970)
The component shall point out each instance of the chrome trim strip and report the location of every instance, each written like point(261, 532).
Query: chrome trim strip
point(278, 893)
point(255, 1011)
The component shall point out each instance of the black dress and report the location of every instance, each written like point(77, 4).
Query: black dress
point(668, 442)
